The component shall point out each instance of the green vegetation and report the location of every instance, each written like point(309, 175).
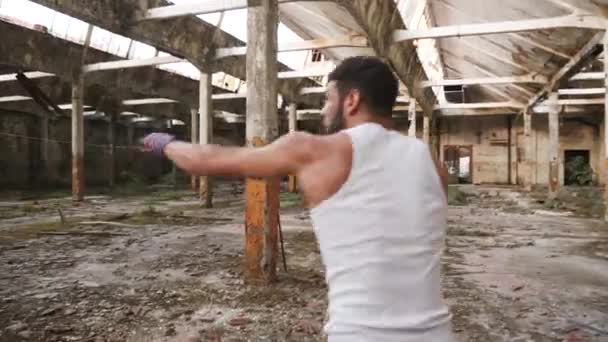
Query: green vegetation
point(456, 196)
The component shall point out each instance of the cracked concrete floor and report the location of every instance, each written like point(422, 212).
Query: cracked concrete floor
point(167, 270)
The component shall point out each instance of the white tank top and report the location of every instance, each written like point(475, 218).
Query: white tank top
point(381, 238)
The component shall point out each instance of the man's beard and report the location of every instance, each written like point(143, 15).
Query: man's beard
point(336, 124)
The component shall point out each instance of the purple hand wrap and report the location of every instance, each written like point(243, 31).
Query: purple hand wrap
point(156, 142)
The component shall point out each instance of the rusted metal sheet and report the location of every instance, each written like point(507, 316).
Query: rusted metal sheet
point(261, 229)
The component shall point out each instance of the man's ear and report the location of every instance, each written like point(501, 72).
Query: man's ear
point(352, 101)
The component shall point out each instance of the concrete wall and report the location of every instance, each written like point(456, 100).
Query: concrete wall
point(15, 166)
point(576, 133)
point(488, 136)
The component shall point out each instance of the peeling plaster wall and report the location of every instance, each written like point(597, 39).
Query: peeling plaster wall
point(488, 137)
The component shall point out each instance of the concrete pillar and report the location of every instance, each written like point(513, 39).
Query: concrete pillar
point(205, 131)
point(78, 124)
point(434, 139)
point(411, 132)
point(194, 140)
point(44, 148)
point(262, 195)
point(293, 126)
point(78, 138)
point(111, 151)
point(426, 129)
point(554, 159)
point(606, 126)
point(130, 138)
point(528, 148)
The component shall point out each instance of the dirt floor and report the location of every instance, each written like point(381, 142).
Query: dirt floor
point(158, 267)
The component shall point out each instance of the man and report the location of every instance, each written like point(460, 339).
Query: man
point(377, 204)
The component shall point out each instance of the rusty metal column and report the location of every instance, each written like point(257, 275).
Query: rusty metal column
point(194, 140)
point(205, 131)
point(293, 126)
point(606, 127)
point(412, 116)
point(262, 195)
point(78, 139)
point(528, 162)
point(426, 129)
point(553, 145)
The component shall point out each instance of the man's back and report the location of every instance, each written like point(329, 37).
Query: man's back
point(379, 210)
point(381, 236)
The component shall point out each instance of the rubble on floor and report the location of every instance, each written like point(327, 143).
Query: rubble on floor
point(159, 267)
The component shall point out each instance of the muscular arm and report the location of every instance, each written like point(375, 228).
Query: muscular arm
point(286, 155)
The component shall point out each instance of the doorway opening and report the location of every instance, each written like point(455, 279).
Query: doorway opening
point(577, 168)
point(459, 161)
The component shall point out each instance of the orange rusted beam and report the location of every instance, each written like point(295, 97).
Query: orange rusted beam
point(261, 229)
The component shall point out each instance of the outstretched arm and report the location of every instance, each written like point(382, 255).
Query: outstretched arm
point(286, 155)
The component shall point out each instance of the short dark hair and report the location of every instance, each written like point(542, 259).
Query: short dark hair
point(372, 78)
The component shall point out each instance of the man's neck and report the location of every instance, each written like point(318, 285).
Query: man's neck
point(387, 123)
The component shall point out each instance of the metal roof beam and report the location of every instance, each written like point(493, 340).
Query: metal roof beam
point(569, 21)
point(478, 105)
point(316, 71)
point(228, 96)
point(201, 7)
point(312, 90)
point(15, 98)
point(132, 63)
point(582, 91)
point(517, 36)
point(31, 75)
point(588, 76)
point(137, 102)
point(320, 43)
point(576, 62)
point(529, 78)
point(577, 102)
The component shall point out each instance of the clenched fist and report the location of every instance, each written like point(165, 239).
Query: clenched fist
point(156, 142)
